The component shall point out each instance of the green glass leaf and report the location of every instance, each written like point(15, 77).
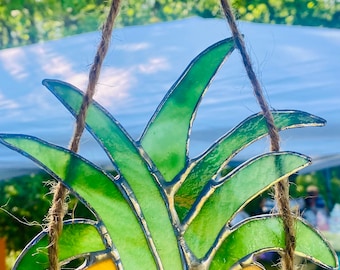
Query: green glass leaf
point(79, 238)
point(206, 167)
point(266, 233)
point(171, 124)
point(219, 201)
point(97, 189)
point(130, 163)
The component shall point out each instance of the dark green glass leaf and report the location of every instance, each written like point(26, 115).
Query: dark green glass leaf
point(170, 125)
point(79, 238)
point(96, 188)
point(261, 234)
point(130, 163)
point(208, 165)
point(220, 201)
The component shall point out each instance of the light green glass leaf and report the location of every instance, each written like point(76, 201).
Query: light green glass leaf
point(130, 163)
point(266, 233)
point(171, 124)
point(220, 201)
point(79, 238)
point(97, 189)
point(251, 129)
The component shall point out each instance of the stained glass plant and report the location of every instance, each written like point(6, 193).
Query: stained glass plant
point(161, 209)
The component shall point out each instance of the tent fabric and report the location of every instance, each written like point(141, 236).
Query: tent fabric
point(298, 67)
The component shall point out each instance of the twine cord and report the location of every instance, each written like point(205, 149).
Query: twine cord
point(281, 188)
point(59, 206)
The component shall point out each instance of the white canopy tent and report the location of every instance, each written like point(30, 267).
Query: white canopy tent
point(299, 68)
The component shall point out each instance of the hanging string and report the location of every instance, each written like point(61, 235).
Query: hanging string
point(59, 206)
point(281, 188)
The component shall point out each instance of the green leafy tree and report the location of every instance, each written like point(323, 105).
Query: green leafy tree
point(30, 21)
point(25, 200)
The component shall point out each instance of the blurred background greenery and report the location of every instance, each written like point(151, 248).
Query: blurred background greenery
point(24, 22)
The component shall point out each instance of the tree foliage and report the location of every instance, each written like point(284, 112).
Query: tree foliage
point(298, 12)
point(31, 21)
point(25, 198)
